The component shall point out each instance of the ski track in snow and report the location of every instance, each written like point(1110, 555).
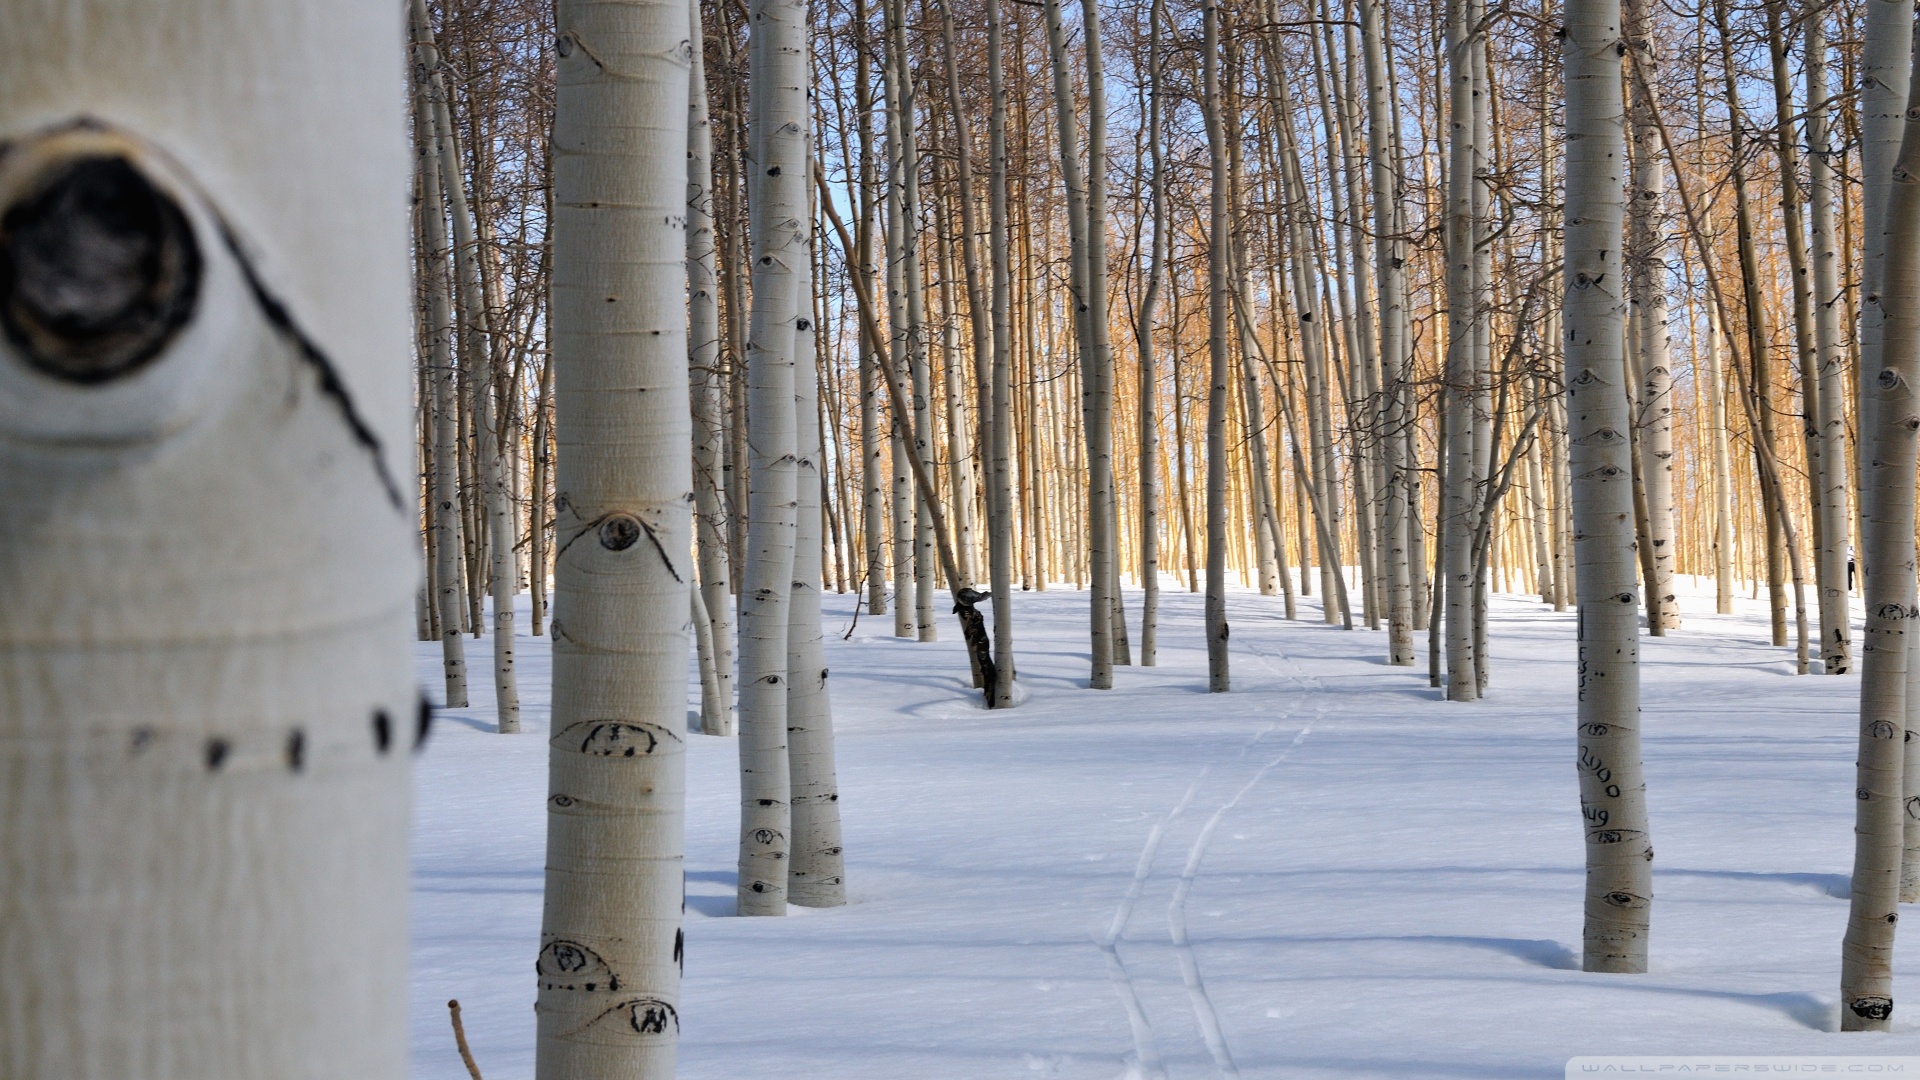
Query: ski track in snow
point(1393, 893)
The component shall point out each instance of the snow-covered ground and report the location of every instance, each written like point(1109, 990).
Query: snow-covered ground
point(1326, 873)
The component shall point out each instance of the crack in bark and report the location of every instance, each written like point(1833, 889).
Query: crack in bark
point(277, 313)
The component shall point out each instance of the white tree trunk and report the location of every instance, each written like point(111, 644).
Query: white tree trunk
point(703, 370)
point(489, 443)
point(1646, 243)
point(1830, 423)
point(1889, 376)
point(816, 872)
point(1612, 787)
point(444, 489)
point(1395, 359)
point(778, 124)
point(609, 962)
point(1220, 298)
point(1000, 479)
point(1461, 384)
point(204, 542)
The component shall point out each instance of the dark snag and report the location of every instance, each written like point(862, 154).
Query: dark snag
point(973, 627)
point(98, 270)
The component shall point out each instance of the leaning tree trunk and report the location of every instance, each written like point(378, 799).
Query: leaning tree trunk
point(1219, 304)
point(1612, 788)
point(778, 124)
point(204, 542)
point(703, 373)
point(1889, 402)
point(609, 971)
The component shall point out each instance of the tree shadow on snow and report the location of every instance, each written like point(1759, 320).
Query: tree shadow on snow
point(1837, 886)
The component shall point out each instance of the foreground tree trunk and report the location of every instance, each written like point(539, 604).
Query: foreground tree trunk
point(1889, 403)
point(1612, 788)
point(608, 968)
point(208, 881)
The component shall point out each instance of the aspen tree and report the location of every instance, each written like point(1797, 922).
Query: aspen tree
point(703, 371)
point(489, 430)
point(1619, 891)
point(901, 213)
point(609, 962)
point(1395, 357)
point(1647, 272)
point(1000, 474)
point(1887, 432)
point(816, 871)
point(1886, 67)
point(1161, 224)
point(1220, 296)
point(1461, 378)
point(444, 487)
point(205, 430)
point(1830, 419)
point(778, 125)
point(1089, 317)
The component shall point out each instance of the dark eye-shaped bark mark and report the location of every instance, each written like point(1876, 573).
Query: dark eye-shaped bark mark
point(618, 532)
point(569, 965)
point(422, 722)
point(297, 750)
point(382, 731)
point(613, 738)
point(1872, 1008)
point(99, 270)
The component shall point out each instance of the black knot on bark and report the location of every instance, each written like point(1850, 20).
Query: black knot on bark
point(619, 533)
point(98, 270)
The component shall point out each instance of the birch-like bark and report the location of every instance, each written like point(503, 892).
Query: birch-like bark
point(1395, 358)
point(1219, 300)
point(1089, 333)
point(1830, 361)
point(1612, 785)
point(1647, 280)
point(901, 246)
point(610, 942)
point(1888, 435)
point(204, 542)
point(703, 373)
point(711, 716)
point(489, 430)
point(432, 221)
point(542, 496)
point(1000, 439)
point(911, 363)
point(1461, 378)
point(1149, 449)
point(1722, 466)
point(778, 124)
point(816, 872)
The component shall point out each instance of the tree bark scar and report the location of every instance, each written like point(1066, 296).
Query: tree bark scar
point(98, 270)
point(276, 312)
